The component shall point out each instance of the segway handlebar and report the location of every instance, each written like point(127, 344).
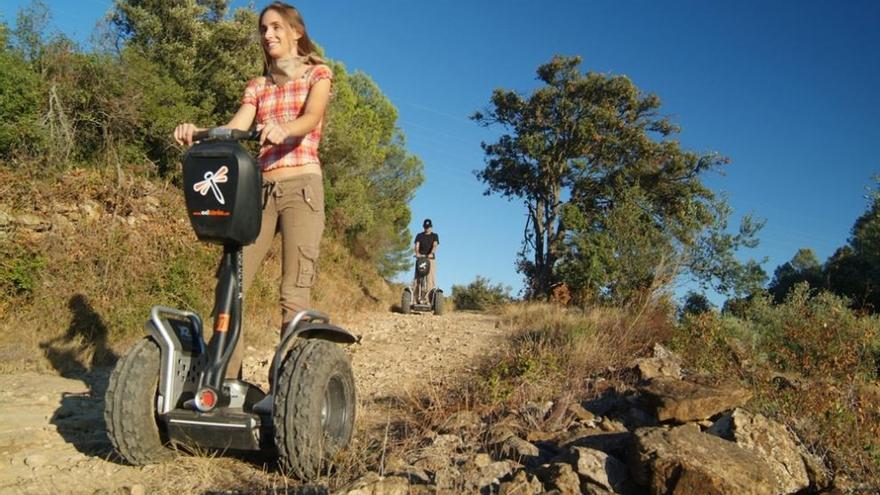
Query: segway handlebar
point(225, 134)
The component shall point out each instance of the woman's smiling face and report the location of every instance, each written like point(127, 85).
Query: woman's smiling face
point(278, 37)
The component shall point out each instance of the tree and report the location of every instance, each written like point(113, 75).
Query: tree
point(371, 175)
point(173, 61)
point(695, 303)
point(208, 56)
point(615, 207)
point(20, 101)
point(480, 294)
point(854, 269)
point(202, 55)
point(804, 267)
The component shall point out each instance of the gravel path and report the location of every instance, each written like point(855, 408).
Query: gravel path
point(52, 436)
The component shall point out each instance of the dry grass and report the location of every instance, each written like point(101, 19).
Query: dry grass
point(554, 350)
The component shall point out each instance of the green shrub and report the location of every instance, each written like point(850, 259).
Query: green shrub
point(816, 334)
point(480, 295)
point(20, 99)
point(19, 272)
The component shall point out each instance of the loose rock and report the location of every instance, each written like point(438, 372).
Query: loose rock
point(598, 467)
point(461, 421)
point(768, 440)
point(682, 401)
point(685, 460)
point(521, 484)
point(561, 476)
point(35, 460)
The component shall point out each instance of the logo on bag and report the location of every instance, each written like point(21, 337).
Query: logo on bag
point(210, 184)
point(211, 213)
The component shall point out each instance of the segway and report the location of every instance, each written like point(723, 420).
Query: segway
point(169, 392)
point(417, 298)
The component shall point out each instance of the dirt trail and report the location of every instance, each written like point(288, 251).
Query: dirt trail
point(52, 436)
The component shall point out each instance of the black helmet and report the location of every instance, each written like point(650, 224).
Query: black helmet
point(427, 223)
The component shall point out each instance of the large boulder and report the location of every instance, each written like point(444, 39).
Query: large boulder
point(769, 440)
point(681, 401)
point(684, 460)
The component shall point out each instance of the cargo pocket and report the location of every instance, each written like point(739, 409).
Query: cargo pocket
point(308, 266)
point(314, 197)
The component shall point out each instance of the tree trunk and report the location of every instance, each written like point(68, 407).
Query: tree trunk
point(540, 275)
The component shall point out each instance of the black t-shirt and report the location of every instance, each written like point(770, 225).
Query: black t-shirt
point(426, 242)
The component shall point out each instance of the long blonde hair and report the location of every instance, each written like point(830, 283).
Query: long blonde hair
point(304, 45)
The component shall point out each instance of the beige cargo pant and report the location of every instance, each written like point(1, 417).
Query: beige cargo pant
point(430, 280)
point(294, 207)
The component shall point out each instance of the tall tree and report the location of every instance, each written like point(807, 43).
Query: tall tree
point(198, 46)
point(804, 267)
point(372, 176)
point(615, 207)
point(20, 100)
point(854, 269)
point(695, 303)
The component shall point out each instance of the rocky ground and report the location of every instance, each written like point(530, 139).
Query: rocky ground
point(52, 432)
point(669, 433)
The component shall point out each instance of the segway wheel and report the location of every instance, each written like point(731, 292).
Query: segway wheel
point(439, 302)
point(406, 302)
point(314, 408)
point(130, 406)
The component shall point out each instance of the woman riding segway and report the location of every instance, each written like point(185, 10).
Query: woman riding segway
point(287, 105)
point(172, 388)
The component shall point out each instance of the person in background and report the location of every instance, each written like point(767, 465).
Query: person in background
point(426, 244)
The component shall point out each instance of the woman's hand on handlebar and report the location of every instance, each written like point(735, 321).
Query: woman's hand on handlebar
point(272, 133)
point(183, 133)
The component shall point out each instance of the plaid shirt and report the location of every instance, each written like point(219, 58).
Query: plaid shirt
point(284, 103)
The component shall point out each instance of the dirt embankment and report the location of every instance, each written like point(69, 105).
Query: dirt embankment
point(52, 436)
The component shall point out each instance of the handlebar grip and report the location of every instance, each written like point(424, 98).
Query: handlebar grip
point(222, 133)
point(245, 135)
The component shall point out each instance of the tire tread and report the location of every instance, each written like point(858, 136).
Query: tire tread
point(299, 444)
point(131, 426)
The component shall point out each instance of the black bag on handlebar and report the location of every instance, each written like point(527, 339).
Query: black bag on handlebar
point(423, 266)
point(221, 184)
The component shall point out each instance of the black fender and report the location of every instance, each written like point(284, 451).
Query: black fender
point(325, 331)
point(317, 326)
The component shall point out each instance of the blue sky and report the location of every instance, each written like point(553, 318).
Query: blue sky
point(789, 90)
